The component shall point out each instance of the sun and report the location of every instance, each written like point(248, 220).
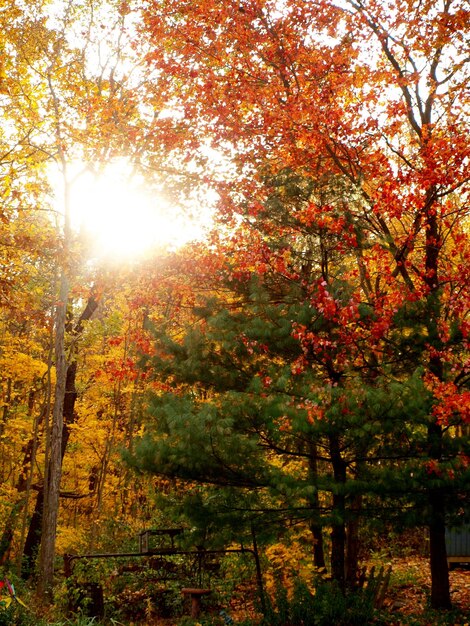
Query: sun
point(124, 218)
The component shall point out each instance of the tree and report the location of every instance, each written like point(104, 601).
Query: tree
point(60, 108)
point(374, 94)
point(282, 368)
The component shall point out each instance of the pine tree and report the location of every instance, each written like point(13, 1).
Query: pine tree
point(289, 390)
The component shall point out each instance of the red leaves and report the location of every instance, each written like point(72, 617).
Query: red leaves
point(299, 366)
point(343, 97)
point(118, 370)
point(315, 412)
point(432, 468)
point(115, 341)
point(324, 302)
point(252, 346)
point(451, 403)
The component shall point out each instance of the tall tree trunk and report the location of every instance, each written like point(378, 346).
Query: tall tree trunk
point(33, 538)
point(440, 588)
point(53, 466)
point(338, 543)
point(8, 530)
point(23, 485)
point(352, 542)
point(315, 526)
point(54, 473)
point(29, 480)
point(338, 533)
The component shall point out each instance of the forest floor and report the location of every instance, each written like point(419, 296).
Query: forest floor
point(410, 589)
point(406, 602)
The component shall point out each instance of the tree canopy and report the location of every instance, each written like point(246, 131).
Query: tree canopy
point(306, 364)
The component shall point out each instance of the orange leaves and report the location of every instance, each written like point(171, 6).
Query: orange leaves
point(451, 403)
point(124, 8)
point(314, 412)
point(278, 84)
point(253, 76)
point(284, 424)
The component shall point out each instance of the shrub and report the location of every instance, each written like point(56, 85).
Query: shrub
point(327, 605)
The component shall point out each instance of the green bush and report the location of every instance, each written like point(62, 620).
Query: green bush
point(434, 617)
point(16, 615)
point(327, 606)
point(7, 615)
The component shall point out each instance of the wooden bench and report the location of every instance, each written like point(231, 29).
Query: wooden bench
point(195, 595)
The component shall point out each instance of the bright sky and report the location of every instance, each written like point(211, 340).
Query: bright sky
point(123, 217)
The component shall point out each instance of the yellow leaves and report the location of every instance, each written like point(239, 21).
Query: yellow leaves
point(3, 75)
point(8, 495)
point(70, 540)
point(21, 367)
point(288, 562)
